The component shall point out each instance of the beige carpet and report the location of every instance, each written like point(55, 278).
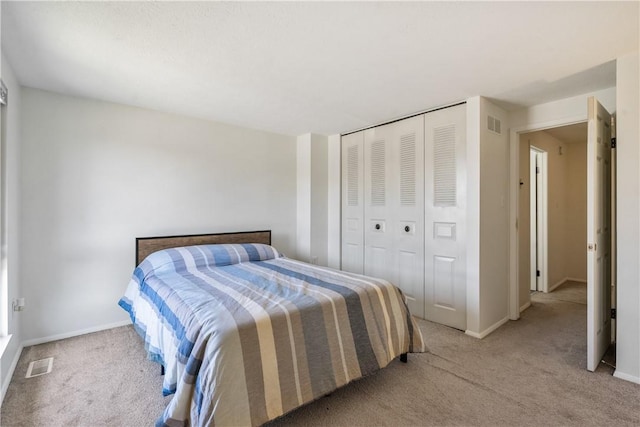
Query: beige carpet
point(528, 372)
point(100, 379)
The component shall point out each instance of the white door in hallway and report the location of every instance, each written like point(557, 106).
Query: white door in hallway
point(599, 222)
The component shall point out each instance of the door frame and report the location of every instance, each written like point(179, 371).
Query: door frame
point(514, 187)
point(539, 240)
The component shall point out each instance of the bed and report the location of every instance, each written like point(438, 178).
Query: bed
point(245, 334)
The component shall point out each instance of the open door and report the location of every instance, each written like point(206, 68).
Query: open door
point(598, 233)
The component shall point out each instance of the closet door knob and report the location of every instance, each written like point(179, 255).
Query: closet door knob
point(406, 228)
point(377, 226)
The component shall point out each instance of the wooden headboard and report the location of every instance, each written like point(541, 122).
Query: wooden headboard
point(148, 245)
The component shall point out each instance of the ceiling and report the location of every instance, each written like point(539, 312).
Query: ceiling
point(571, 134)
point(321, 67)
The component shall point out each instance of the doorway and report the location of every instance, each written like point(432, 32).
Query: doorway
point(552, 209)
point(600, 225)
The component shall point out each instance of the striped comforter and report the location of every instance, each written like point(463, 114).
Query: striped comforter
point(246, 335)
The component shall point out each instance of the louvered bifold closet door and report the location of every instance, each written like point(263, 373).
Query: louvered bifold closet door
point(445, 217)
point(394, 212)
point(353, 202)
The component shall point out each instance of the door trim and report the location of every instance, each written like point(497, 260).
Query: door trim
point(540, 241)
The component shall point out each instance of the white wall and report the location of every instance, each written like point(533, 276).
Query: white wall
point(319, 199)
point(303, 197)
point(313, 198)
point(334, 196)
point(10, 225)
point(473, 216)
point(494, 219)
point(95, 175)
point(562, 111)
point(628, 208)
point(576, 216)
point(487, 219)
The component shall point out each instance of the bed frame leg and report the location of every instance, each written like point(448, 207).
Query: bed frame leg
point(403, 357)
point(162, 370)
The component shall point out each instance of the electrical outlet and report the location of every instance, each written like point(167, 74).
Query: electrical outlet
point(18, 304)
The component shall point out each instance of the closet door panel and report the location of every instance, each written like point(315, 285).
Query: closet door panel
point(378, 265)
point(445, 221)
point(410, 280)
point(408, 226)
point(394, 207)
point(444, 278)
point(378, 203)
point(353, 202)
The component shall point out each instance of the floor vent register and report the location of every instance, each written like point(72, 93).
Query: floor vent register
point(39, 367)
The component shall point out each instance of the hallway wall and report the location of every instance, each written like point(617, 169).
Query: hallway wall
point(576, 220)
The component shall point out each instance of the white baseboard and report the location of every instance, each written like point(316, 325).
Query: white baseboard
point(565, 280)
point(488, 330)
point(626, 377)
point(525, 306)
point(50, 338)
point(12, 369)
point(551, 288)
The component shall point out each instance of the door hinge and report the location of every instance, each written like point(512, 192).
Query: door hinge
point(613, 143)
point(537, 273)
point(613, 313)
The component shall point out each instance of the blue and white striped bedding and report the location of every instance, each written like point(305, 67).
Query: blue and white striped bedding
point(246, 335)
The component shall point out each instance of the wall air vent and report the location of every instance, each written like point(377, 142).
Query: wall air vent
point(4, 93)
point(494, 125)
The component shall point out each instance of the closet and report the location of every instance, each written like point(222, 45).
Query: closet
point(403, 210)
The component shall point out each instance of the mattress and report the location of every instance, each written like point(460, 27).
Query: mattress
point(246, 335)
